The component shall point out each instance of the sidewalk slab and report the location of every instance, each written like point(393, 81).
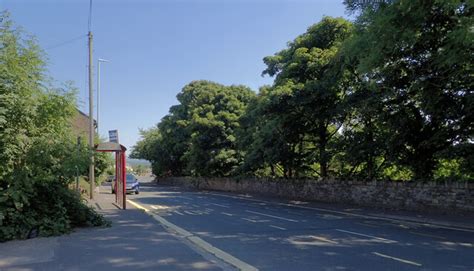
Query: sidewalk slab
point(24, 252)
point(134, 242)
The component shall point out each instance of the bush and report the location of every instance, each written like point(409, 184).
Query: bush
point(44, 209)
point(38, 153)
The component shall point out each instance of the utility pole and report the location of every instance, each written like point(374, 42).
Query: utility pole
point(91, 121)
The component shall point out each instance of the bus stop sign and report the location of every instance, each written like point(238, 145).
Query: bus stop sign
point(113, 136)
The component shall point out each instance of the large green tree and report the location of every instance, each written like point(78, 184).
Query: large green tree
point(197, 137)
point(417, 56)
point(307, 97)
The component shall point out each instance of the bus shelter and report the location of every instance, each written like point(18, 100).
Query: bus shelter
point(120, 170)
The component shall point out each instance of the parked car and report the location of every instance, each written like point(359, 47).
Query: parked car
point(110, 178)
point(132, 184)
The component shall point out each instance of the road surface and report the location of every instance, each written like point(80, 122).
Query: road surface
point(269, 235)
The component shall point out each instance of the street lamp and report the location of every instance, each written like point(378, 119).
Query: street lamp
point(100, 60)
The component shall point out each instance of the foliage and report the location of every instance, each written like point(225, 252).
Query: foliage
point(306, 100)
point(417, 57)
point(36, 145)
point(197, 137)
point(139, 169)
point(388, 96)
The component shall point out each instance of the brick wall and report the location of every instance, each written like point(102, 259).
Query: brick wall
point(433, 197)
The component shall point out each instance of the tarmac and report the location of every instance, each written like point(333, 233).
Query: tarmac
point(139, 240)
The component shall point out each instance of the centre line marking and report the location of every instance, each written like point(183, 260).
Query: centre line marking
point(227, 214)
point(250, 220)
point(397, 259)
point(366, 235)
point(366, 224)
point(273, 216)
point(428, 235)
point(426, 224)
point(220, 205)
point(319, 238)
point(276, 227)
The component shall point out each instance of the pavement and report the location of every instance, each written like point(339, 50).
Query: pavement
point(171, 228)
point(134, 242)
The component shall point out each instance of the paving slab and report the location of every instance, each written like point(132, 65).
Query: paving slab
point(134, 242)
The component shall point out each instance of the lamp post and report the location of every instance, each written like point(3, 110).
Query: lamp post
point(100, 60)
point(91, 120)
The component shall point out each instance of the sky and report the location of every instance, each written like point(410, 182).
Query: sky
point(156, 47)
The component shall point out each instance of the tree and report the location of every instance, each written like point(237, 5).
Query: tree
point(215, 114)
point(419, 56)
point(197, 137)
point(308, 92)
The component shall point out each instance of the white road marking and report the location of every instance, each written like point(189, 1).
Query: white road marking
point(189, 213)
point(427, 224)
point(319, 238)
point(367, 224)
point(276, 227)
point(403, 226)
point(178, 212)
point(227, 214)
point(159, 207)
point(397, 259)
point(222, 255)
point(250, 220)
point(428, 235)
point(369, 236)
point(273, 216)
point(220, 205)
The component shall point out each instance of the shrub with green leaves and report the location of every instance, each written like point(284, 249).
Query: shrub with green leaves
point(38, 154)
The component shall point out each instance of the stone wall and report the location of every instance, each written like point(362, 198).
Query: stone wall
point(434, 197)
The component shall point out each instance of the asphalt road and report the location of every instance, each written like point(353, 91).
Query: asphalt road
point(269, 235)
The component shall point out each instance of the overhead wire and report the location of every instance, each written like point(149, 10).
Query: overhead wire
point(65, 42)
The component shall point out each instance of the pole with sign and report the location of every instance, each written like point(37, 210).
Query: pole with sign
point(113, 136)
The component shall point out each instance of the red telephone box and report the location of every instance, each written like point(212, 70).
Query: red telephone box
point(120, 170)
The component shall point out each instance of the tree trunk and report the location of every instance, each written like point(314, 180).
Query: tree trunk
point(322, 152)
point(370, 155)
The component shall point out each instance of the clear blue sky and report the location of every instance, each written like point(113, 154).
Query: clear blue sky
point(156, 47)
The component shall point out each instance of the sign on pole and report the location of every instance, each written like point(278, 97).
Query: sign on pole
point(113, 136)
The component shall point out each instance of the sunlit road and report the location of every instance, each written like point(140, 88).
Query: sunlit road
point(272, 236)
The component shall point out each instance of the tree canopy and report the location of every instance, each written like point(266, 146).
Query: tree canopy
point(387, 96)
point(197, 137)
